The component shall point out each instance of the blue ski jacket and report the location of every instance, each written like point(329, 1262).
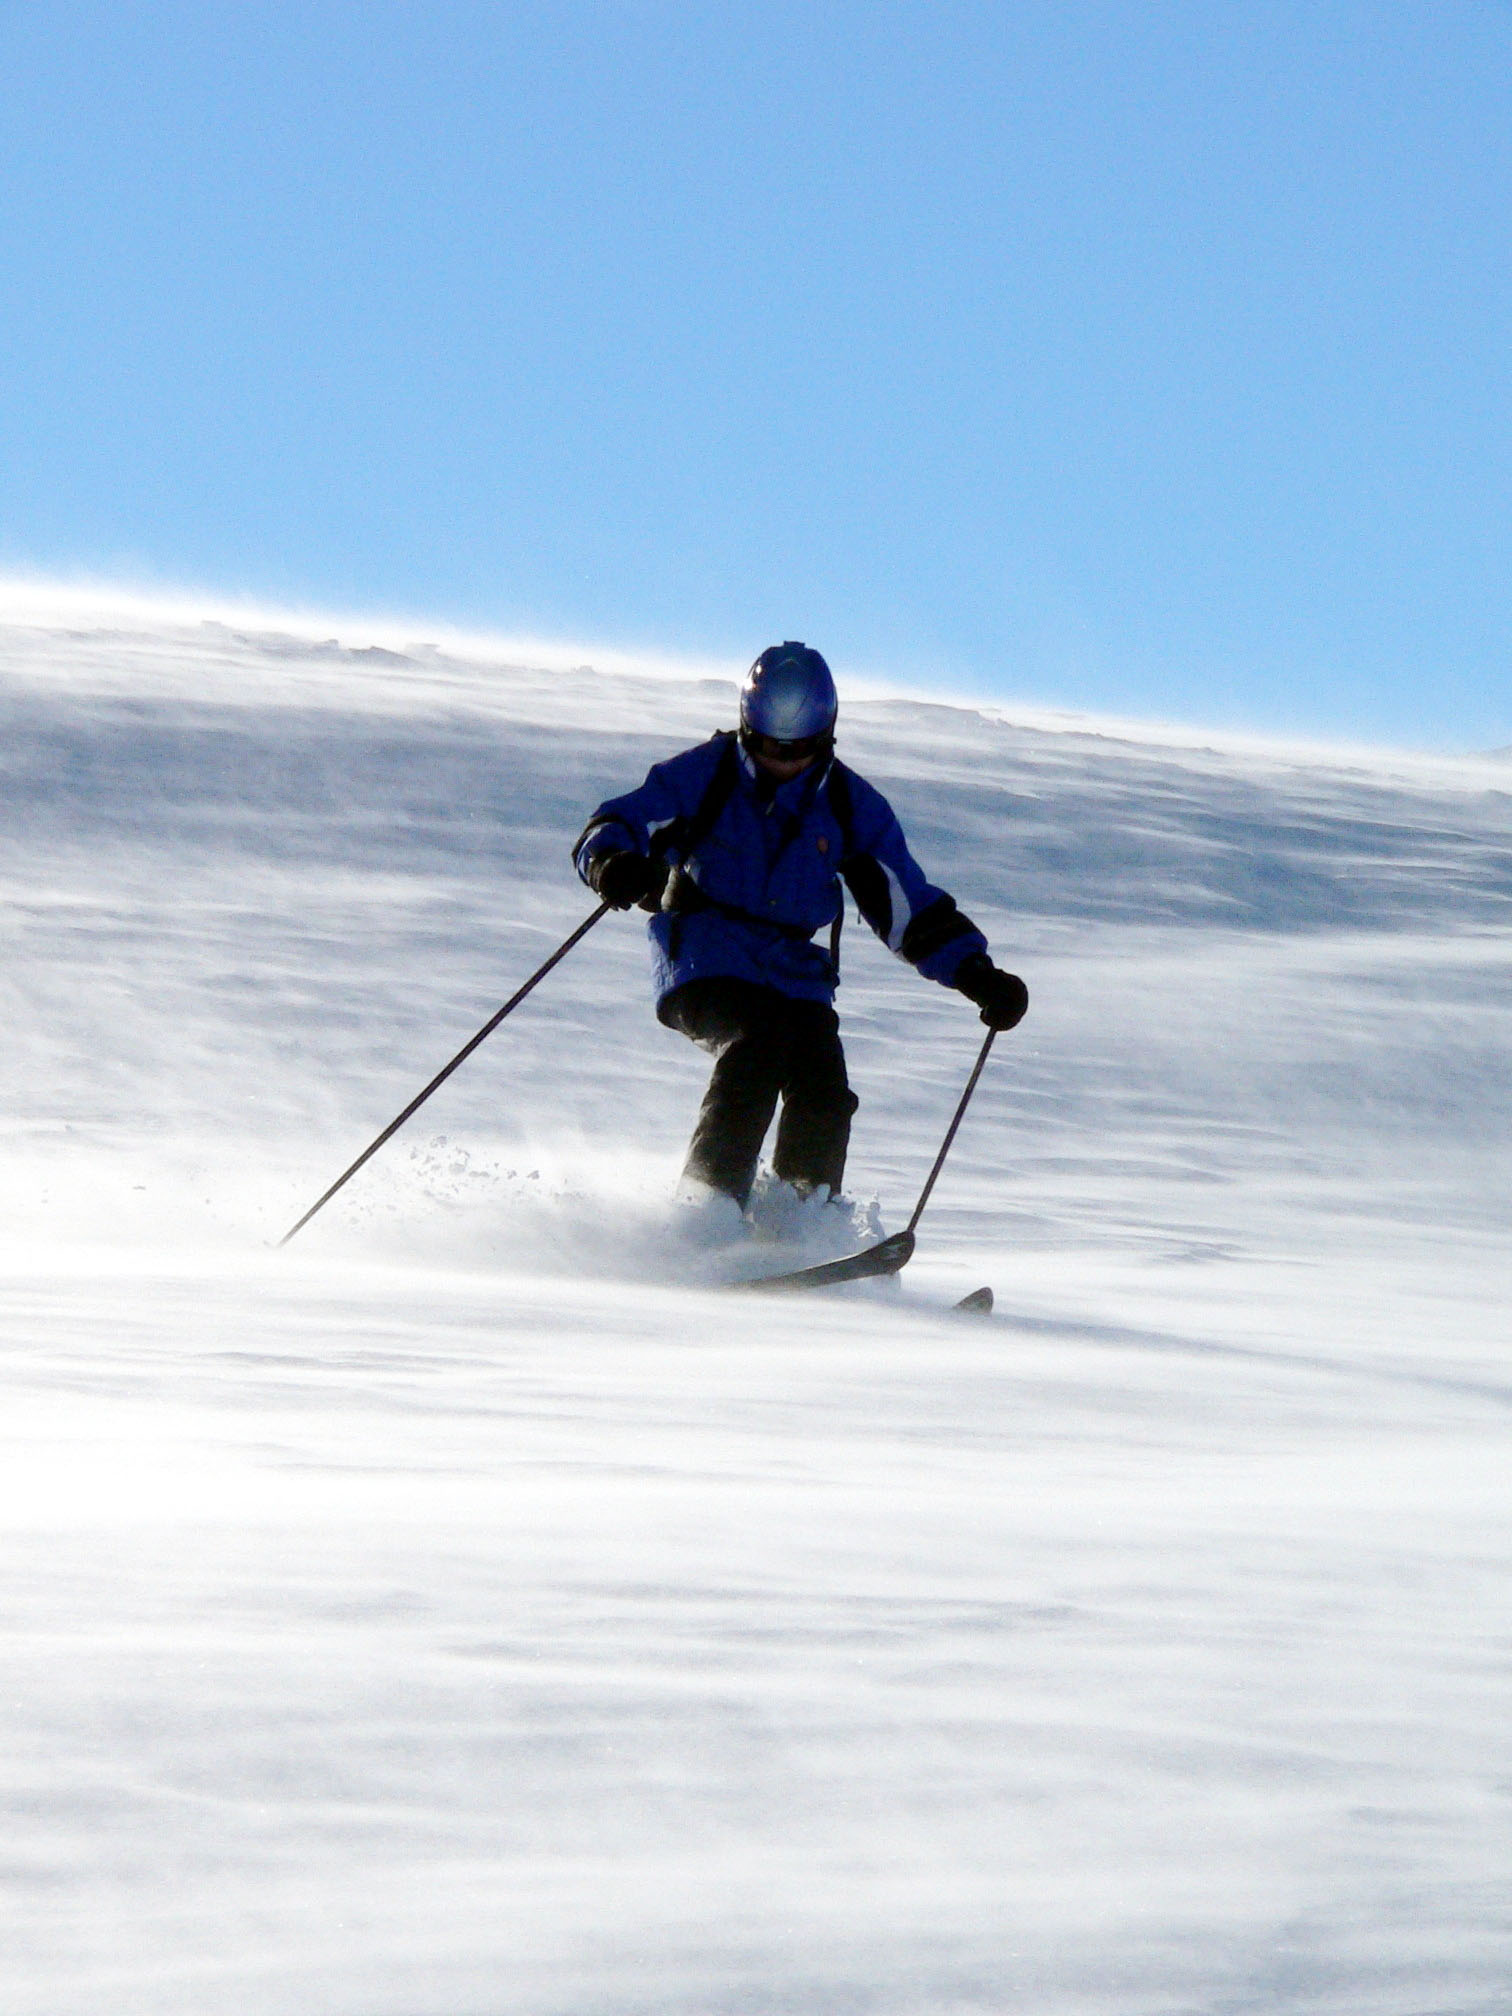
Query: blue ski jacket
point(745, 899)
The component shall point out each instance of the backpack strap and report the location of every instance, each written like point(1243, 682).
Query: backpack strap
point(676, 889)
point(688, 835)
point(838, 788)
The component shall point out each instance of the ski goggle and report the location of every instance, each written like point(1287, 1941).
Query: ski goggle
point(787, 752)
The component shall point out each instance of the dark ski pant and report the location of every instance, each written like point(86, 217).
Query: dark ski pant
point(767, 1046)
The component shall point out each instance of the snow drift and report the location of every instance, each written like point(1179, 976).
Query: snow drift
point(459, 1612)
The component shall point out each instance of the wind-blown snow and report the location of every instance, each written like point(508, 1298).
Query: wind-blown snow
point(458, 1612)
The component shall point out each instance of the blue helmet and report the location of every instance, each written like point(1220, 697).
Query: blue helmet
point(789, 695)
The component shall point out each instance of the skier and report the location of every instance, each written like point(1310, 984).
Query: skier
point(736, 846)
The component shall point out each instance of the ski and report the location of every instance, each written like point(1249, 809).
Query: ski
point(977, 1303)
point(886, 1257)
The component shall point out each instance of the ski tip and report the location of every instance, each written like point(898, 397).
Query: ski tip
point(888, 1256)
point(977, 1303)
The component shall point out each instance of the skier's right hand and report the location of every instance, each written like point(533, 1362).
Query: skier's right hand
point(1002, 997)
point(623, 877)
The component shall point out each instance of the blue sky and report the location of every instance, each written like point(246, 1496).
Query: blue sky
point(1146, 357)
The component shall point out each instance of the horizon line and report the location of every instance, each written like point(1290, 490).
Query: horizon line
point(54, 602)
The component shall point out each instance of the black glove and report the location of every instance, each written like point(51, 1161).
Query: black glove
point(1002, 997)
point(623, 877)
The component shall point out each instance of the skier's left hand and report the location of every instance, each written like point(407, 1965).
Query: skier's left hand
point(1002, 997)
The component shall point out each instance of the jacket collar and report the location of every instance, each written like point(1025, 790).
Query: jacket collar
point(796, 793)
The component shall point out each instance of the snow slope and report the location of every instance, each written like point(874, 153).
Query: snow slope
point(457, 1612)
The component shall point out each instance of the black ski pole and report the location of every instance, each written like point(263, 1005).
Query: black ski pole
point(446, 1071)
point(950, 1134)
